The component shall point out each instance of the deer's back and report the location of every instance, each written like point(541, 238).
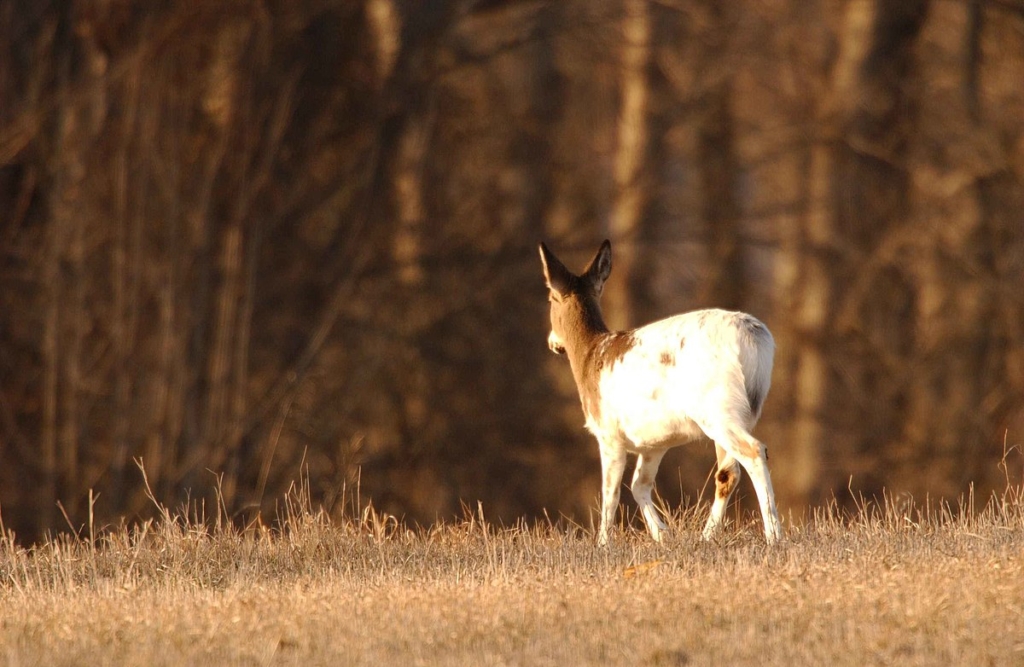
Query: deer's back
point(653, 386)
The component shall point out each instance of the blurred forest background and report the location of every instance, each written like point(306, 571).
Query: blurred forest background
point(246, 238)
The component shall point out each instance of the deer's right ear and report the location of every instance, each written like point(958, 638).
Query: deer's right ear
point(600, 267)
point(556, 275)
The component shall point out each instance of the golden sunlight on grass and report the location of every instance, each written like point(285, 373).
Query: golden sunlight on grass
point(887, 584)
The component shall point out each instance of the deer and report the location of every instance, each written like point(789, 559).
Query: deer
point(704, 373)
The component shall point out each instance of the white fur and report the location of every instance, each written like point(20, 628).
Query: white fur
point(648, 407)
point(681, 378)
point(648, 403)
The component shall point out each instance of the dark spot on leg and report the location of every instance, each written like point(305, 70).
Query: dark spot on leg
point(682, 343)
point(724, 484)
point(725, 481)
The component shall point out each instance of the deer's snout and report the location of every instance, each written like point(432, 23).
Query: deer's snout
point(555, 343)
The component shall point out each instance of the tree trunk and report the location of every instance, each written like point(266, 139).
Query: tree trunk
point(630, 197)
point(807, 257)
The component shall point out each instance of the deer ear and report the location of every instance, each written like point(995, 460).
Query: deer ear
point(600, 267)
point(556, 275)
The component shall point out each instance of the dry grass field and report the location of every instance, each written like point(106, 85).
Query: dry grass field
point(888, 584)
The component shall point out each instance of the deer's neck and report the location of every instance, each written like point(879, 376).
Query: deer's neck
point(592, 349)
point(584, 333)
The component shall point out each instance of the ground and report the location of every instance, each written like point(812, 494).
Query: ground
point(881, 585)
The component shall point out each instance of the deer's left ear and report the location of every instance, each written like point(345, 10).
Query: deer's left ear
point(600, 267)
point(556, 275)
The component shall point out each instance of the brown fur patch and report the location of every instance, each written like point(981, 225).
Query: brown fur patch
point(590, 394)
point(604, 353)
point(618, 345)
point(725, 482)
point(667, 359)
point(749, 448)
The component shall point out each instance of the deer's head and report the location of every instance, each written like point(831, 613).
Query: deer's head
point(575, 299)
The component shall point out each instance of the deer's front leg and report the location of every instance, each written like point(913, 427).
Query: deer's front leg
point(613, 461)
point(643, 484)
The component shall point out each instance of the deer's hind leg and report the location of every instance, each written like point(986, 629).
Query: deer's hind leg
point(750, 453)
point(753, 456)
point(727, 478)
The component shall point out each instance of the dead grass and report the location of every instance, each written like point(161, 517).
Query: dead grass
point(889, 583)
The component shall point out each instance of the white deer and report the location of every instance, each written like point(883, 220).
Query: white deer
point(644, 391)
